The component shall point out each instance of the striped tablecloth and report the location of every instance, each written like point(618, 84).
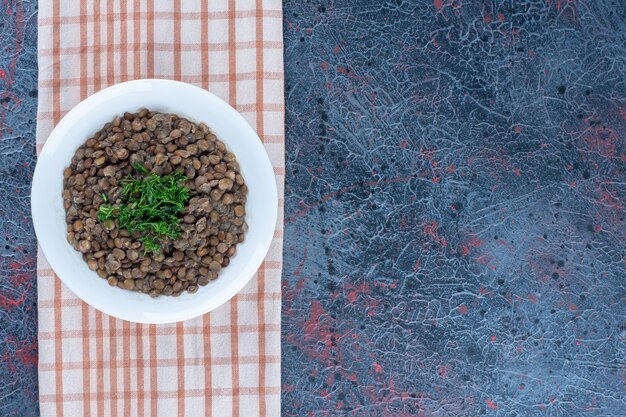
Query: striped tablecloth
point(226, 362)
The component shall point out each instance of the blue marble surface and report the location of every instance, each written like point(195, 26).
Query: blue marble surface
point(18, 251)
point(455, 236)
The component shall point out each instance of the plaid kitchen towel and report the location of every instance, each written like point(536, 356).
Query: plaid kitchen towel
point(226, 362)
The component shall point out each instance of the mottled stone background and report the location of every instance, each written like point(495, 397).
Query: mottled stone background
point(18, 250)
point(455, 235)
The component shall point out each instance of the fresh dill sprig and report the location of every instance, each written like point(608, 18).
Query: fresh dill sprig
point(150, 207)
point(140, 168)
point(149, 244)
point(105, 212)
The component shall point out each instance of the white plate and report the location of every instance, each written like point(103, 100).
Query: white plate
point(188, 101)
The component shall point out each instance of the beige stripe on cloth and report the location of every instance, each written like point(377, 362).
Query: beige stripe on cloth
point(226, 362)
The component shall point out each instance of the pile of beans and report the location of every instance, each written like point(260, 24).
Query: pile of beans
point(212, 224)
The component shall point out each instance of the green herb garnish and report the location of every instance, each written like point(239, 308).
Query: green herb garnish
point(150, 244)
point(140, 168)
point(150, 207)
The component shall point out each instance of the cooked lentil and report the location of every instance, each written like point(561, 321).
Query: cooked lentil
point(211, 224)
